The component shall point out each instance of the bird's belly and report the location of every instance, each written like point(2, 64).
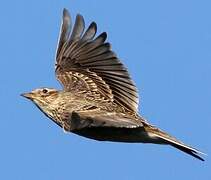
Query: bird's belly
point(132, 135)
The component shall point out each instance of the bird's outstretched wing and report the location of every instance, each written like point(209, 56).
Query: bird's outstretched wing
point(87, 63)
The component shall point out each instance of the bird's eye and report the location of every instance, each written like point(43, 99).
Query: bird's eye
point(44, 90)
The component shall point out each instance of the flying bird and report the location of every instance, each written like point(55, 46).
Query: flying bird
point(99, 100)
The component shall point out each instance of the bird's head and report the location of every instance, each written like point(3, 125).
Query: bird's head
point(44, 98)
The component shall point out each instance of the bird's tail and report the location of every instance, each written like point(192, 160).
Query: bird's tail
point(164, 138)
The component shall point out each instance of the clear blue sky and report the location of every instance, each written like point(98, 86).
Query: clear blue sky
point(166, 46)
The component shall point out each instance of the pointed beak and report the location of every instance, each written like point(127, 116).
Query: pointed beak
point(27, 95)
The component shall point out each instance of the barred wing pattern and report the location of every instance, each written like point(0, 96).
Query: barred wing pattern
point(87, 63)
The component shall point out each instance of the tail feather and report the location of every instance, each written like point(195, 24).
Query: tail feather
point(190, 151)
point(167, 139)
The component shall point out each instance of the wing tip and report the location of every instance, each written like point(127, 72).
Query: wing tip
point(79, 16)
point(102, 36)
point(66, 13)
point(66, 18)
point(93, 25)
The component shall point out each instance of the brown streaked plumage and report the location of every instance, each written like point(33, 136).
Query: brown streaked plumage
point(99, 100)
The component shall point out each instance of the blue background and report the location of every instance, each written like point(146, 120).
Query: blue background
point(166, 46)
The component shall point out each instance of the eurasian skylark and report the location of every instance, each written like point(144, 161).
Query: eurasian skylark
point(99, 99)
